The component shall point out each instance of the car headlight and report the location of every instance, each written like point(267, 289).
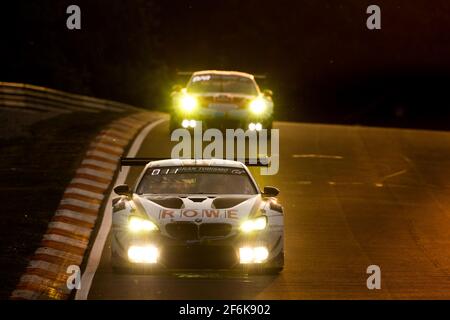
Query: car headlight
point(188, 103)
point(136, 224)
point(258, 106)
point(256, 224)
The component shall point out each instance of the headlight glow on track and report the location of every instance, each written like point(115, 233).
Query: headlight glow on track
point(253, 255)
point(136, 224)
point(256, 224)
point(143, 254)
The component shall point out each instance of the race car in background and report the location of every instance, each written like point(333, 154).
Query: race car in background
point(196, 214)
point(221, 99)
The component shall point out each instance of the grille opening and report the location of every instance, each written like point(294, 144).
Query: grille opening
point(197, 199)
point(190, 231)
point(214, 229)
point(182, 230)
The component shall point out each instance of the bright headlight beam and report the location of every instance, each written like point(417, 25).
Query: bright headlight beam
point(246, 255)
point(258, 106)
point(143, 254)
point(259, 223)
point(136, 224)
point(188, 103)
point(185, 123)
point(260, 254)
point(253, 255)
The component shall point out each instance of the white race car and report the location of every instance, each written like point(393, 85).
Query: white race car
point(222, 99)
point(196, 214)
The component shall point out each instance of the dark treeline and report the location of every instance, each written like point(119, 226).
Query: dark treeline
point(322, 62)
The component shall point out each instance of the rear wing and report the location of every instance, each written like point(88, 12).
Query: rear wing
point(189, 73)
point(249, 162)
point(185, 73)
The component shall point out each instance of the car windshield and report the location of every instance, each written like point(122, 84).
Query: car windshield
point(196, 180)
point(222, 83)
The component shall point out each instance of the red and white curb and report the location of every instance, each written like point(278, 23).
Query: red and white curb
point(68, 234)
point(94, 258)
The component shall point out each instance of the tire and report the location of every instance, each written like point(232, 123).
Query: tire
point(276, 265)
point(267, 271)
point(272, 271)
point(118, 264)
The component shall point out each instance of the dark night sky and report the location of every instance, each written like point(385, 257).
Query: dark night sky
point(323, 64)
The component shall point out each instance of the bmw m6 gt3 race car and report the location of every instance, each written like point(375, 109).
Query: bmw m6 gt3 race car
point(196, 214)
point(221, 99)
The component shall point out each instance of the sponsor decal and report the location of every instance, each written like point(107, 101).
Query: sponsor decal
point(198, 214)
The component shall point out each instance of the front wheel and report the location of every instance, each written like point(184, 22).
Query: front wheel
point(272, 271)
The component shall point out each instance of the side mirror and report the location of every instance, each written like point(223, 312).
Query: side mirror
point(268, 93)
point(122, 190)
point(270, 191)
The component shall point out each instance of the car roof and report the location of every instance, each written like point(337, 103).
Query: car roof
point(224, 72)
point(196, 162)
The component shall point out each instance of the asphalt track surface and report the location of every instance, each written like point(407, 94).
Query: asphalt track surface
point(353, 197)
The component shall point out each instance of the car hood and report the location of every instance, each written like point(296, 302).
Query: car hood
point(211, 99)
point(200, 208)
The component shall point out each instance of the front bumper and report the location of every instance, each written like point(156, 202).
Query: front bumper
point(239, 118)
point(219, 253)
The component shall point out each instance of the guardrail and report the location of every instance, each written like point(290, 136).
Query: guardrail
point(31, 98)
